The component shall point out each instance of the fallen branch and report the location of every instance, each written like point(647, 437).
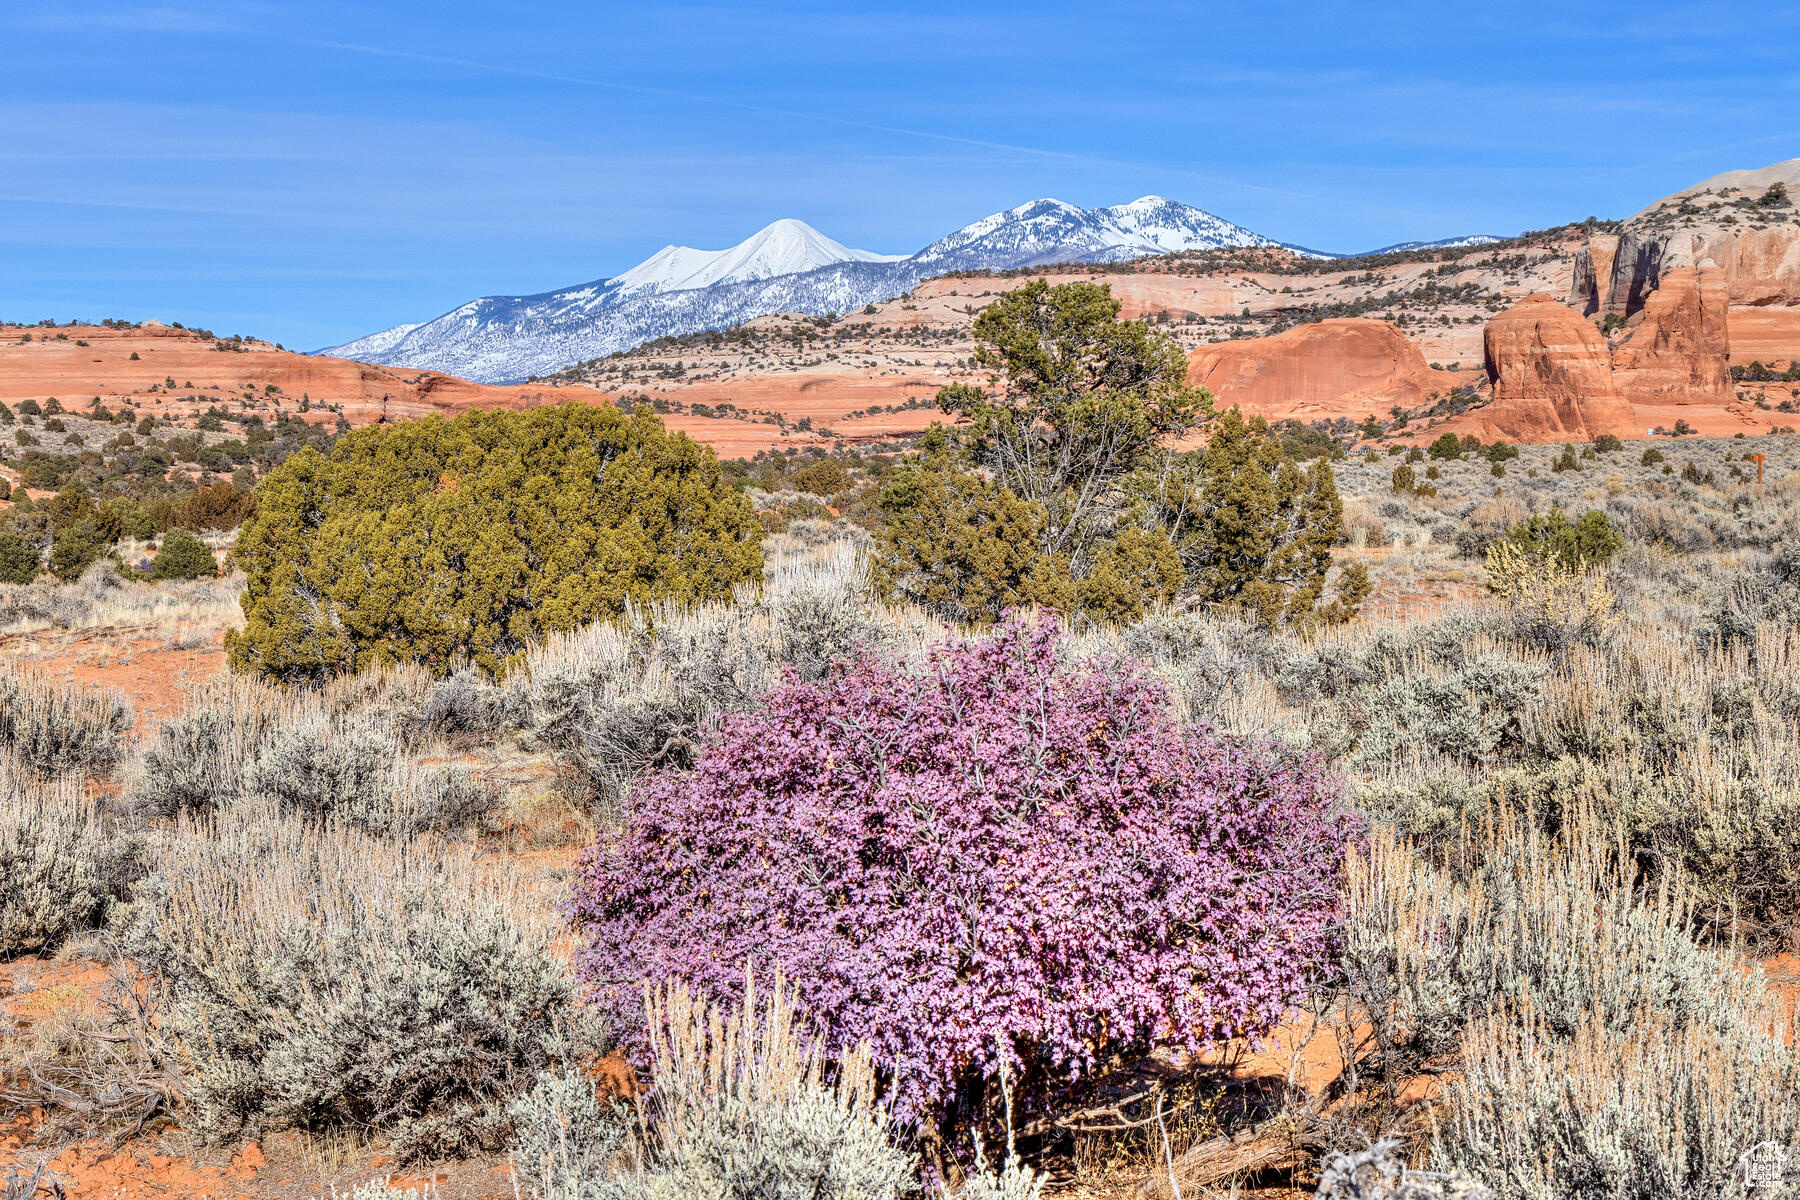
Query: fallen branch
point(1279, 1142)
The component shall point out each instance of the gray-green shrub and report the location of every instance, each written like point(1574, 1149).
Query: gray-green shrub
point(66, 864)
point(351, 771)
point(323, 978)
point(619, 698)
point(567, 1141)
point(51, 729)
point(325, 769)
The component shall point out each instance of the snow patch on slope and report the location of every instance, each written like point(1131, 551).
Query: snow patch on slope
point(372, 344)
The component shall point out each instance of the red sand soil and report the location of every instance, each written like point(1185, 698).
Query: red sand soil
point(140, 663)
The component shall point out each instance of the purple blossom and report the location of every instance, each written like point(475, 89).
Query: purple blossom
point(1001, 849)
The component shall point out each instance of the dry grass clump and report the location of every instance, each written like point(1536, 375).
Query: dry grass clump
point(1522, 917)
point(1656, 1107)
point(100, 600)
point(741, 1105)
point(727, 1082)
point(1593, 1046)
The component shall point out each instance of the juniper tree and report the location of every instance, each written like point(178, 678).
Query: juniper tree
point(443, 541)
point(1063, 489)
point(1078, 399)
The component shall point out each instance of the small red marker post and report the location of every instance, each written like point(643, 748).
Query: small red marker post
point(1758, 460)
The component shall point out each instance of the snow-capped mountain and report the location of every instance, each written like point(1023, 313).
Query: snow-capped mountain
point(1050, 231)
point(786, 247)
point(787, 267)
point(1451, 243)
point(370, 346)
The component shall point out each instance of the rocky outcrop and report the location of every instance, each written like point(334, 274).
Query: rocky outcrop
point(1679, 351)
point(1593, 273)
point(1340, 368)
point(1552, 375)
point(1720, 222)
point(1757, 266)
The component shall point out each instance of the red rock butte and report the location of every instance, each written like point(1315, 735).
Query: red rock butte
point(1346, 367)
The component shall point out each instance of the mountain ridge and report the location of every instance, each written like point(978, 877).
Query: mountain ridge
point(498, 339)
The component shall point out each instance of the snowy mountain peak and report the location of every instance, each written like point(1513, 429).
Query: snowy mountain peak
point(1048, 230)
point(783, 247)
point(787, 266)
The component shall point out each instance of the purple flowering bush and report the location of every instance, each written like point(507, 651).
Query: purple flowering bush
point(1004, 852)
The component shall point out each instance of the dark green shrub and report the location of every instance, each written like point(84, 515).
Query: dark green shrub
point(183, 556)
point(18, 558)
point(1446, 447)
point(1607, 443)
point(441, 541)
point(1590, 541)
point(218, 506)
point(1403, 479)
point(75, 550)
point(825, 477)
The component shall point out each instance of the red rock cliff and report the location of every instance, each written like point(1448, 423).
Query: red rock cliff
point(1680, 350)
point(1552, 375)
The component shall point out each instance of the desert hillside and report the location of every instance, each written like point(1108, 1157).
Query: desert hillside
point(166, 371)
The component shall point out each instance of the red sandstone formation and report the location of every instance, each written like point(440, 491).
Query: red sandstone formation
point(1680, 350)
point(1552, 376)
point(1719, 222)
point(1593, 272)
point(179, 363)
point(1340, 368)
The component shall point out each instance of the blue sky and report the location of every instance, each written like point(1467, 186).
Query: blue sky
point(311, 171)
